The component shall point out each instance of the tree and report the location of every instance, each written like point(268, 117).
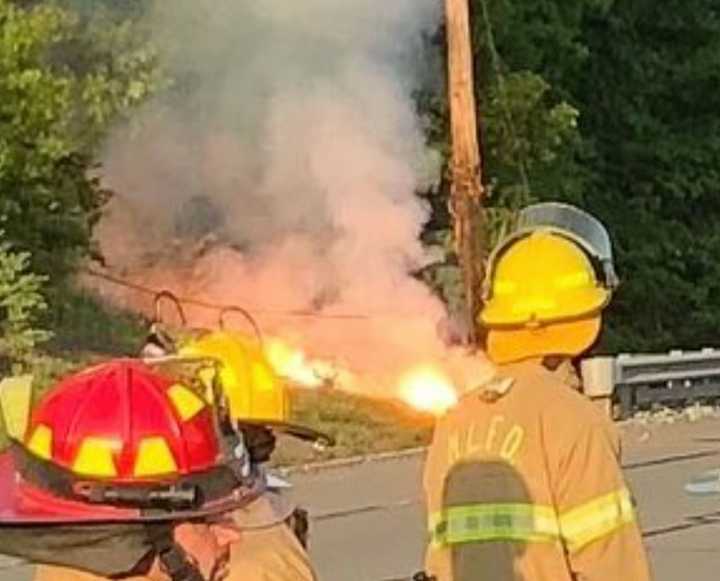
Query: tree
point(64, 78)
point(649, 101)
point(21, 304)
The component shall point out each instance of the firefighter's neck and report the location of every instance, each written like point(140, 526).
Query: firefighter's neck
point(553, 362)
point(156, 573)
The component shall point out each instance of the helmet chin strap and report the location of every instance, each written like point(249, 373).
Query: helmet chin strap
point(174, 561)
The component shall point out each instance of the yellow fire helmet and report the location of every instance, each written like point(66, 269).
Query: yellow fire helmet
point(254, 391)
point(543, 278)
point(231, 360)
point(547, 284)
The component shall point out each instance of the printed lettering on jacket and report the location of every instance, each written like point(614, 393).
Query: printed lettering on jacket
point(495, 438)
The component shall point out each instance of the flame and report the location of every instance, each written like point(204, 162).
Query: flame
point(425, 388)
point(428, 389)
point(292, 363)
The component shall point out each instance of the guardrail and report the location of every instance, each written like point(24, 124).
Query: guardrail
point(636, 382)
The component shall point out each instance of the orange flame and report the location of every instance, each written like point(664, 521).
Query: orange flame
point(425, 388)
point(293, 364)
point(428, 389)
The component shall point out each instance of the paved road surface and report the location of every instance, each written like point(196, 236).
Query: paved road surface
point(368, 518)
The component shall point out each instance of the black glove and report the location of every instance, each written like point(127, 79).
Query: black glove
point(259, 441)
point(299, 523)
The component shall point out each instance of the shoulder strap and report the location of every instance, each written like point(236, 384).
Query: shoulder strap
point(173, 558)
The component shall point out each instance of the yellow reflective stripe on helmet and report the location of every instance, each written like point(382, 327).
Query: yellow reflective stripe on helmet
point(579, 279)
point(596, 519)
point(534, 304)
point(154, 458)
point(494, 522)
point(186, 402)
point(96, 457)
point(41, 442)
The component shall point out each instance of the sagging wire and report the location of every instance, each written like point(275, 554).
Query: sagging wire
point(214, 306)
point(219, 307)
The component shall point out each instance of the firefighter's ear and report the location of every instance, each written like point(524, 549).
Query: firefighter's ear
point(226, 532)
point(15, 402)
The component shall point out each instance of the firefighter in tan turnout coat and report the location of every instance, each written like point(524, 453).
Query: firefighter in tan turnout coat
point(523, 478)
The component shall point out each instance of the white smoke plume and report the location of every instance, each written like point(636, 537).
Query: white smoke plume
point(292, 150)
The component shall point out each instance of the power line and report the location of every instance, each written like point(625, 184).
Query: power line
point(219, 307)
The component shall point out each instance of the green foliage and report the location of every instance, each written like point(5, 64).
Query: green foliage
point(650, 122)
point(543, 36)
point(21, 303)
point(63, 80)
point(84, 324)
point(524, 137)
point(47, 370)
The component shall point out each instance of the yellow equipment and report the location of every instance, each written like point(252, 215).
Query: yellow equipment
point(547, 284)
point(543, 278)
point(254, 391)
point(256, 395)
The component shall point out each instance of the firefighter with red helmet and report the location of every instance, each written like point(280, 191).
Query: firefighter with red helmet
point(258, 404)
point(523, 479)
point(124, 472)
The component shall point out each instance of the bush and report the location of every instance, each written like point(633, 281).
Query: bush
point(83, 323)
point(21, 304)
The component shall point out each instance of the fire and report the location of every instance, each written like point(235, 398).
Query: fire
point(293, 364)
point(428, 389)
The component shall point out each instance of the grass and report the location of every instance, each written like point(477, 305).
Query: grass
point(83, 324)
point(360, 425)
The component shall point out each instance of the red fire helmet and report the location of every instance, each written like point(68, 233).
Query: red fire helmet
point(119, 442)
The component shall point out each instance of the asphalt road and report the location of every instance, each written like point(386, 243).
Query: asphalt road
point(368, 518)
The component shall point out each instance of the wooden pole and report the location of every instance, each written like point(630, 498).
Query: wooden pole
point(466, 187)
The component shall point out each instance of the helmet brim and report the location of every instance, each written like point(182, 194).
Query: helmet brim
point(499, 311)
point(25, 504)
point(298, 431)
point(269, 510)
point(507, 345)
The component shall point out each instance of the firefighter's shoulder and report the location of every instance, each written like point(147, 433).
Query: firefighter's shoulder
point(570, 415)
point(486, 380)
point(492, 382)
point(539, 388)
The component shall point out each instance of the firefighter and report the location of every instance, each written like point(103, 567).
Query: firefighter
point(123, 473)
point(274, 542)
point(544, 498)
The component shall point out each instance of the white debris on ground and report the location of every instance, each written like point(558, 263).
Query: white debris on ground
point(665, 415)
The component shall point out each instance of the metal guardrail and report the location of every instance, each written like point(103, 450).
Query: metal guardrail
point(637, 382)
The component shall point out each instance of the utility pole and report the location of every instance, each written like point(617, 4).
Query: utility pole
point(466, 200)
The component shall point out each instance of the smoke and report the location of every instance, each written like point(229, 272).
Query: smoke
point(280, 172)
